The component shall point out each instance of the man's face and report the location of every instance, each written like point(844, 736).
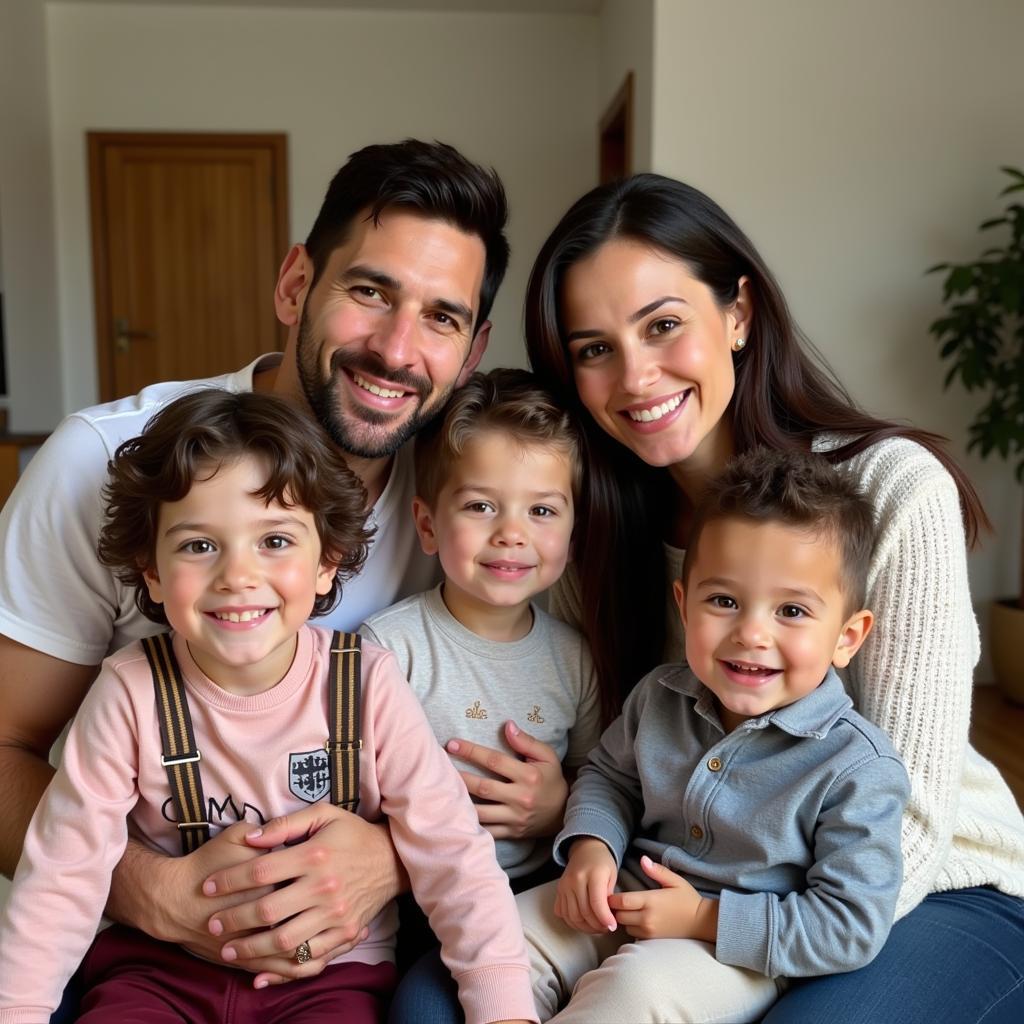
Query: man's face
point(386, 334)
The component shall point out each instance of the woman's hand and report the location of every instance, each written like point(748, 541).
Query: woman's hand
point(582, 896)
point(325, 890)
point(675, 911)
point(532, 801)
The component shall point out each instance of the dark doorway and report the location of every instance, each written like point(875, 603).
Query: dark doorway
point(615, 134)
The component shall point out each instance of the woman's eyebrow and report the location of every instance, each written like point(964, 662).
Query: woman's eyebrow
point(652, 306)
point(631, 319)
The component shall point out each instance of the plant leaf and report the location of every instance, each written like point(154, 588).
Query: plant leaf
point(981, 333)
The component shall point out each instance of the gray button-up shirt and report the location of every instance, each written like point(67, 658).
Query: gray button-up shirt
point(792, 820)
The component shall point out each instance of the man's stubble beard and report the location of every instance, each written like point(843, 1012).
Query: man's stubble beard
point(322, 397)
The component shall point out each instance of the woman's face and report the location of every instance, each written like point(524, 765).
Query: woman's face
point(651, 352)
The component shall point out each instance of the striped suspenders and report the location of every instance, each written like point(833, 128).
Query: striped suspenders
point(181, 757)
point(344, 742)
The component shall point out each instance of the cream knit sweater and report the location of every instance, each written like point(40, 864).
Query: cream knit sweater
point(913, 676)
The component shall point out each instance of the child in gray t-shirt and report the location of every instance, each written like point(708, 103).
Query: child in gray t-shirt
point(508, 689)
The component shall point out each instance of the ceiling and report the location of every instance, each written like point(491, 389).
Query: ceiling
point(480, 6)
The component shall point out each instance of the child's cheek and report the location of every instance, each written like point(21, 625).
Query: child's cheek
point(295, 578)
point(700, 644)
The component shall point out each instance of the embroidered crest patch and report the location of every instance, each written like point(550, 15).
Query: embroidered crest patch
point(309, 775)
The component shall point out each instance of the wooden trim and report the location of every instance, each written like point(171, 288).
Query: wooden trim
point(97, 143)
point(618, 113)
point(10, 459)
point(282, 236)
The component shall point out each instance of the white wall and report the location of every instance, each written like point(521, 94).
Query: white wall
point(515, 91)
point(26, 221)
point(627, 44)
point(857, 144)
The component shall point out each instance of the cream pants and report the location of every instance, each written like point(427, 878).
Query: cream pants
point(613, 979)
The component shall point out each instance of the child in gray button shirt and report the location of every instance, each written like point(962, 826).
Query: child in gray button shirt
point(739, 823)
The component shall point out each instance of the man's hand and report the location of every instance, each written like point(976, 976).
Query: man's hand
point(326, 889)
point(582, 897)
point(532, 801)
point(675, 911)
point(163, 896)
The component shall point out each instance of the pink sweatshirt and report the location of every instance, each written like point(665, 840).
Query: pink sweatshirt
point(111, 784)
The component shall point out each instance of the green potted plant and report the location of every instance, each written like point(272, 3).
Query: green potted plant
point(982, 334)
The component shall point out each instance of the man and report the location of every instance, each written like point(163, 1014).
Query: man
point(386, 305)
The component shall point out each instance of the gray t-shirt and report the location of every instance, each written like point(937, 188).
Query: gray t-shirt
point(470, 686)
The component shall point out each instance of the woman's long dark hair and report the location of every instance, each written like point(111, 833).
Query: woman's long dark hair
point(785, 395)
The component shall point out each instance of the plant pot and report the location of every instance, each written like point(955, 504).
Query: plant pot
point(1006, 645)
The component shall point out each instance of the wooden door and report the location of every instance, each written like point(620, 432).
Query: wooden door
point(188, 233)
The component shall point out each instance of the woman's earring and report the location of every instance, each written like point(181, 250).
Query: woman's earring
point(738, 344)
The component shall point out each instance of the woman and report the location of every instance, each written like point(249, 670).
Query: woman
point(652, 315)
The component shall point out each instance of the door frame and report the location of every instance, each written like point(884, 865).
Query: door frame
point(615, 135)
point(98, 142)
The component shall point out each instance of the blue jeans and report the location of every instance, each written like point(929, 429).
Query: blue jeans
point(957, 957)
point(427, 994)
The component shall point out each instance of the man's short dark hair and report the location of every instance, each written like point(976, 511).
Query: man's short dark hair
point(508, 401)
point(800, 490)
point(430, 178)
point(192, 437)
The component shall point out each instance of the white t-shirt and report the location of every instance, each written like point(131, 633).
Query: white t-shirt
point(57, 598)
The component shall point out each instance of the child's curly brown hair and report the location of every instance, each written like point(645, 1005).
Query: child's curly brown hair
point(198, 433)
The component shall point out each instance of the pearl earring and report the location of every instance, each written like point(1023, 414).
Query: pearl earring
point(738, 344)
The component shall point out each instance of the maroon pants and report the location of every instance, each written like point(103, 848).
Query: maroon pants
point(130, 978)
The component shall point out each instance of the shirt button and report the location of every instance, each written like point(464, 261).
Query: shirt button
point(715, 764)
point(696, 831)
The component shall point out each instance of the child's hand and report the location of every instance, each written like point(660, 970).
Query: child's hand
point(532, 801)
point(675, 911)
point(583, 890)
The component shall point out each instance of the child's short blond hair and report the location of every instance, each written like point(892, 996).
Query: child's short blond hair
point(506, 401)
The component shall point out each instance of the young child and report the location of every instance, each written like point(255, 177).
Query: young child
point(233, 521)
point(750, 817)
point(496, 476)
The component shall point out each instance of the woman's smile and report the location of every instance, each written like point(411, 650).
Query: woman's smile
point(657, 414)
point(651, 351)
